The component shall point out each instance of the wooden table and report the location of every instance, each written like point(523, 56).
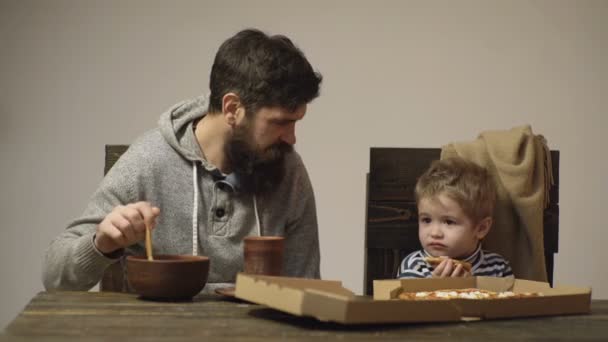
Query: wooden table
point(96, 316)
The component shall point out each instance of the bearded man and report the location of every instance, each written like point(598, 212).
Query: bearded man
point(216, 170)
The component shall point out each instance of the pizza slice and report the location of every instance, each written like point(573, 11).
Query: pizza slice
point(435, 261)
point(468, 293)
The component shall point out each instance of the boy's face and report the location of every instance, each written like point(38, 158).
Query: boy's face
point(445, 230)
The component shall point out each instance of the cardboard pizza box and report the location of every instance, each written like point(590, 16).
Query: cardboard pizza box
point(559, 300)
point(328, 300)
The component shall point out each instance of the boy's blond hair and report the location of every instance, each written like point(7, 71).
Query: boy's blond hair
point(466, 183)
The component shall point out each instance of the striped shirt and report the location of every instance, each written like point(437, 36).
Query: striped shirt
point(483, 263)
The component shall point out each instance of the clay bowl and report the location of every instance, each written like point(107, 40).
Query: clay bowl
point(168, 277)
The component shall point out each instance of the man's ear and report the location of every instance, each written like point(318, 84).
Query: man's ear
point(232, 108)
point(483, 228)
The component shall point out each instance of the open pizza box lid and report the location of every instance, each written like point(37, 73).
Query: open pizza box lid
point(559, 300)
point(328, 300)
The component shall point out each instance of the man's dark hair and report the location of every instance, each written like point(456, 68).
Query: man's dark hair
point(264, 71)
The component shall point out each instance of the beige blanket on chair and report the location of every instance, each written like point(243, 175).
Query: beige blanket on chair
point(520, 162)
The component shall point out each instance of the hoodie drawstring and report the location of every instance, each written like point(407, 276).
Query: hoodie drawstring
point(257, 218)
point(195, 210)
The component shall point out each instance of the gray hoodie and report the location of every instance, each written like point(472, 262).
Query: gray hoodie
point(200, 214)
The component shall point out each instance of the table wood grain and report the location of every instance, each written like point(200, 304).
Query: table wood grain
point(106, 316)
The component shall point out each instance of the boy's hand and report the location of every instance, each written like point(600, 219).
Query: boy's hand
point(124, 226)
point(447, 268)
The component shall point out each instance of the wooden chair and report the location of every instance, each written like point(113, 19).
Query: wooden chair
point(114, 278)
point(391, 229)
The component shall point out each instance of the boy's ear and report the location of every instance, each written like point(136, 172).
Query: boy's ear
point(483, 228)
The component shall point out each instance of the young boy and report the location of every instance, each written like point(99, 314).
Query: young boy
point(455, 199)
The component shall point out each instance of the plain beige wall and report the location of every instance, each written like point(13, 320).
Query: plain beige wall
point(75, 75)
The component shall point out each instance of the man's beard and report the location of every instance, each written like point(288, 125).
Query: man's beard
point(257, 172)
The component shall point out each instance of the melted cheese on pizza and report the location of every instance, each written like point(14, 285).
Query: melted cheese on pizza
point(464, 294)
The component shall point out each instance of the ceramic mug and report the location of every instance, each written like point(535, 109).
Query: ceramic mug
point(263, 255)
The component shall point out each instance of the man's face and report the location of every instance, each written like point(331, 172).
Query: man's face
point(444, 229)
point(260, 143)
point(272, 127)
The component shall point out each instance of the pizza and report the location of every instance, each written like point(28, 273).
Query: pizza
point(435, 261)
point(468, 293)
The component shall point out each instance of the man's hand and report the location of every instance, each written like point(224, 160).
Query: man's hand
point(447, 268)
point(124, 226)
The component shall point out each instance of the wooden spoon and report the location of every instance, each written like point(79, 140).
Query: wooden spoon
point(149, 243)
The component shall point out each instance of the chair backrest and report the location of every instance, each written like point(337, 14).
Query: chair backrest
point(113, 278)
point(391, 227)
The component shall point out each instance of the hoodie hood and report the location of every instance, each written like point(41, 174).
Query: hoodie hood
point(176, 127)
